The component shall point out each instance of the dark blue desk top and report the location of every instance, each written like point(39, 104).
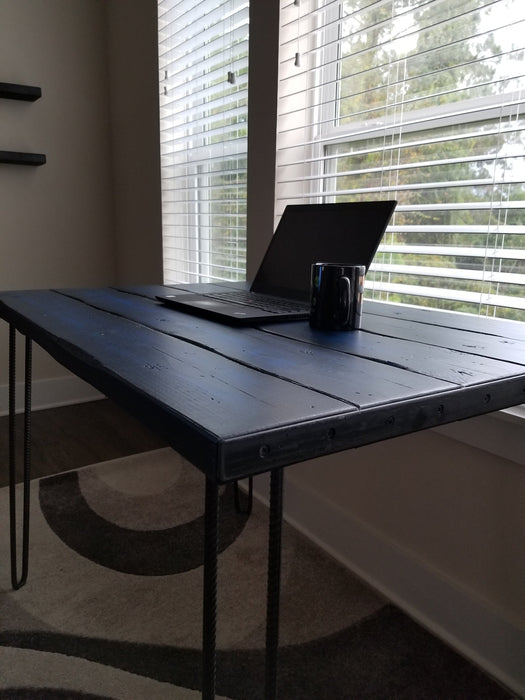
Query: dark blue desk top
point(239, 401)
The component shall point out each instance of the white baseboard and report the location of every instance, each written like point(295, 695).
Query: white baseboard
point(452, 613)
point(50, 393)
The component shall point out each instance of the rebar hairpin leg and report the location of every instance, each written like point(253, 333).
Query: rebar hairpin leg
point(15, 581)
point(238, 506)
point(274, 583)
point(209, 617)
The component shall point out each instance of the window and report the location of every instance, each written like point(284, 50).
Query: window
point(420, 101)
point(203, 61)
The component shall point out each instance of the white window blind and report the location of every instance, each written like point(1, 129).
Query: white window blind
point(203, 62)
point(420, 101)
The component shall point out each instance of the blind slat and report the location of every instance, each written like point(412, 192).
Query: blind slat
point(421, 101)
point(203, 62)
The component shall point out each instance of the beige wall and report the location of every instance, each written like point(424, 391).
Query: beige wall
point(134, 118)
point(262, 113)
point(57, 219)
point(91, 215)
point(457, 508)
point(434, 524)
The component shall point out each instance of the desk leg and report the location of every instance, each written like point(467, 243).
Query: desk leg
point(274, 583)
point(249, 506)
point(15, 581)
point(209, 606)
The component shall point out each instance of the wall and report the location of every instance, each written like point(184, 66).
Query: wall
point(57, 219)
point(436, 525)
point(91, 215)
point(262, 111)
point(134, 119)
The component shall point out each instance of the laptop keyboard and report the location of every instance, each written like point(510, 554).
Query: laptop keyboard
point(262, 301)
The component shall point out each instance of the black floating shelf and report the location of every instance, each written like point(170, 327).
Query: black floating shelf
point(12, 91)
point(22, 158)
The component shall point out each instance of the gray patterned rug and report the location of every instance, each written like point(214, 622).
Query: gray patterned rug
point(112, 607)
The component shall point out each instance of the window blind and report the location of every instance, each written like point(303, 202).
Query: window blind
point(203, 62)
point(420, 101)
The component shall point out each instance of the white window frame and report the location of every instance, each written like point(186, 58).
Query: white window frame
point(317, 163)
point(201, 71)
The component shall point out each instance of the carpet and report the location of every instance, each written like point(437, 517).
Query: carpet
point(112, 606)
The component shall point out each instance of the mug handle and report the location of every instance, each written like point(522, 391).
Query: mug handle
point(344, 297)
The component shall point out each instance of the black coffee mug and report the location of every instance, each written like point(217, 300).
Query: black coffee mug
point(336, 296)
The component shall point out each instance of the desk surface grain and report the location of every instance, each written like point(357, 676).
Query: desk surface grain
point(239, 401)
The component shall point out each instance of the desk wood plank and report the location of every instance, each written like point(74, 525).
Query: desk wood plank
point(457, 367)
point(194, 398)
point(475, 343)
point(450, 319)
point(240, 401)
point(353, 379)
point(484, 386)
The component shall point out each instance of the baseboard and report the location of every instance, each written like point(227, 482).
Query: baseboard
point(50, 393)
point(468, 624)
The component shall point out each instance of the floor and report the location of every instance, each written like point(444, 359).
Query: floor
point(74, 436)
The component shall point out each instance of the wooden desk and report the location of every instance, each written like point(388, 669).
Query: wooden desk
point(242, 401)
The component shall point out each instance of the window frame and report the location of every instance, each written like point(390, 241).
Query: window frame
point(330, 133)
point(203, 93)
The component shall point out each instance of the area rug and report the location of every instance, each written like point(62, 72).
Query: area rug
point(112, 606)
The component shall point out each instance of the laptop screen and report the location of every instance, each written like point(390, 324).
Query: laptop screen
point(347, 232)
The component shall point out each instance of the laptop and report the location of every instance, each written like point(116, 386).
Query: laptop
point(348, 232)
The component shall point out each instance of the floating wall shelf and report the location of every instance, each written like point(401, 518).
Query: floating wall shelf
point(28, 93)
point(12, 91)
point(16, 158)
